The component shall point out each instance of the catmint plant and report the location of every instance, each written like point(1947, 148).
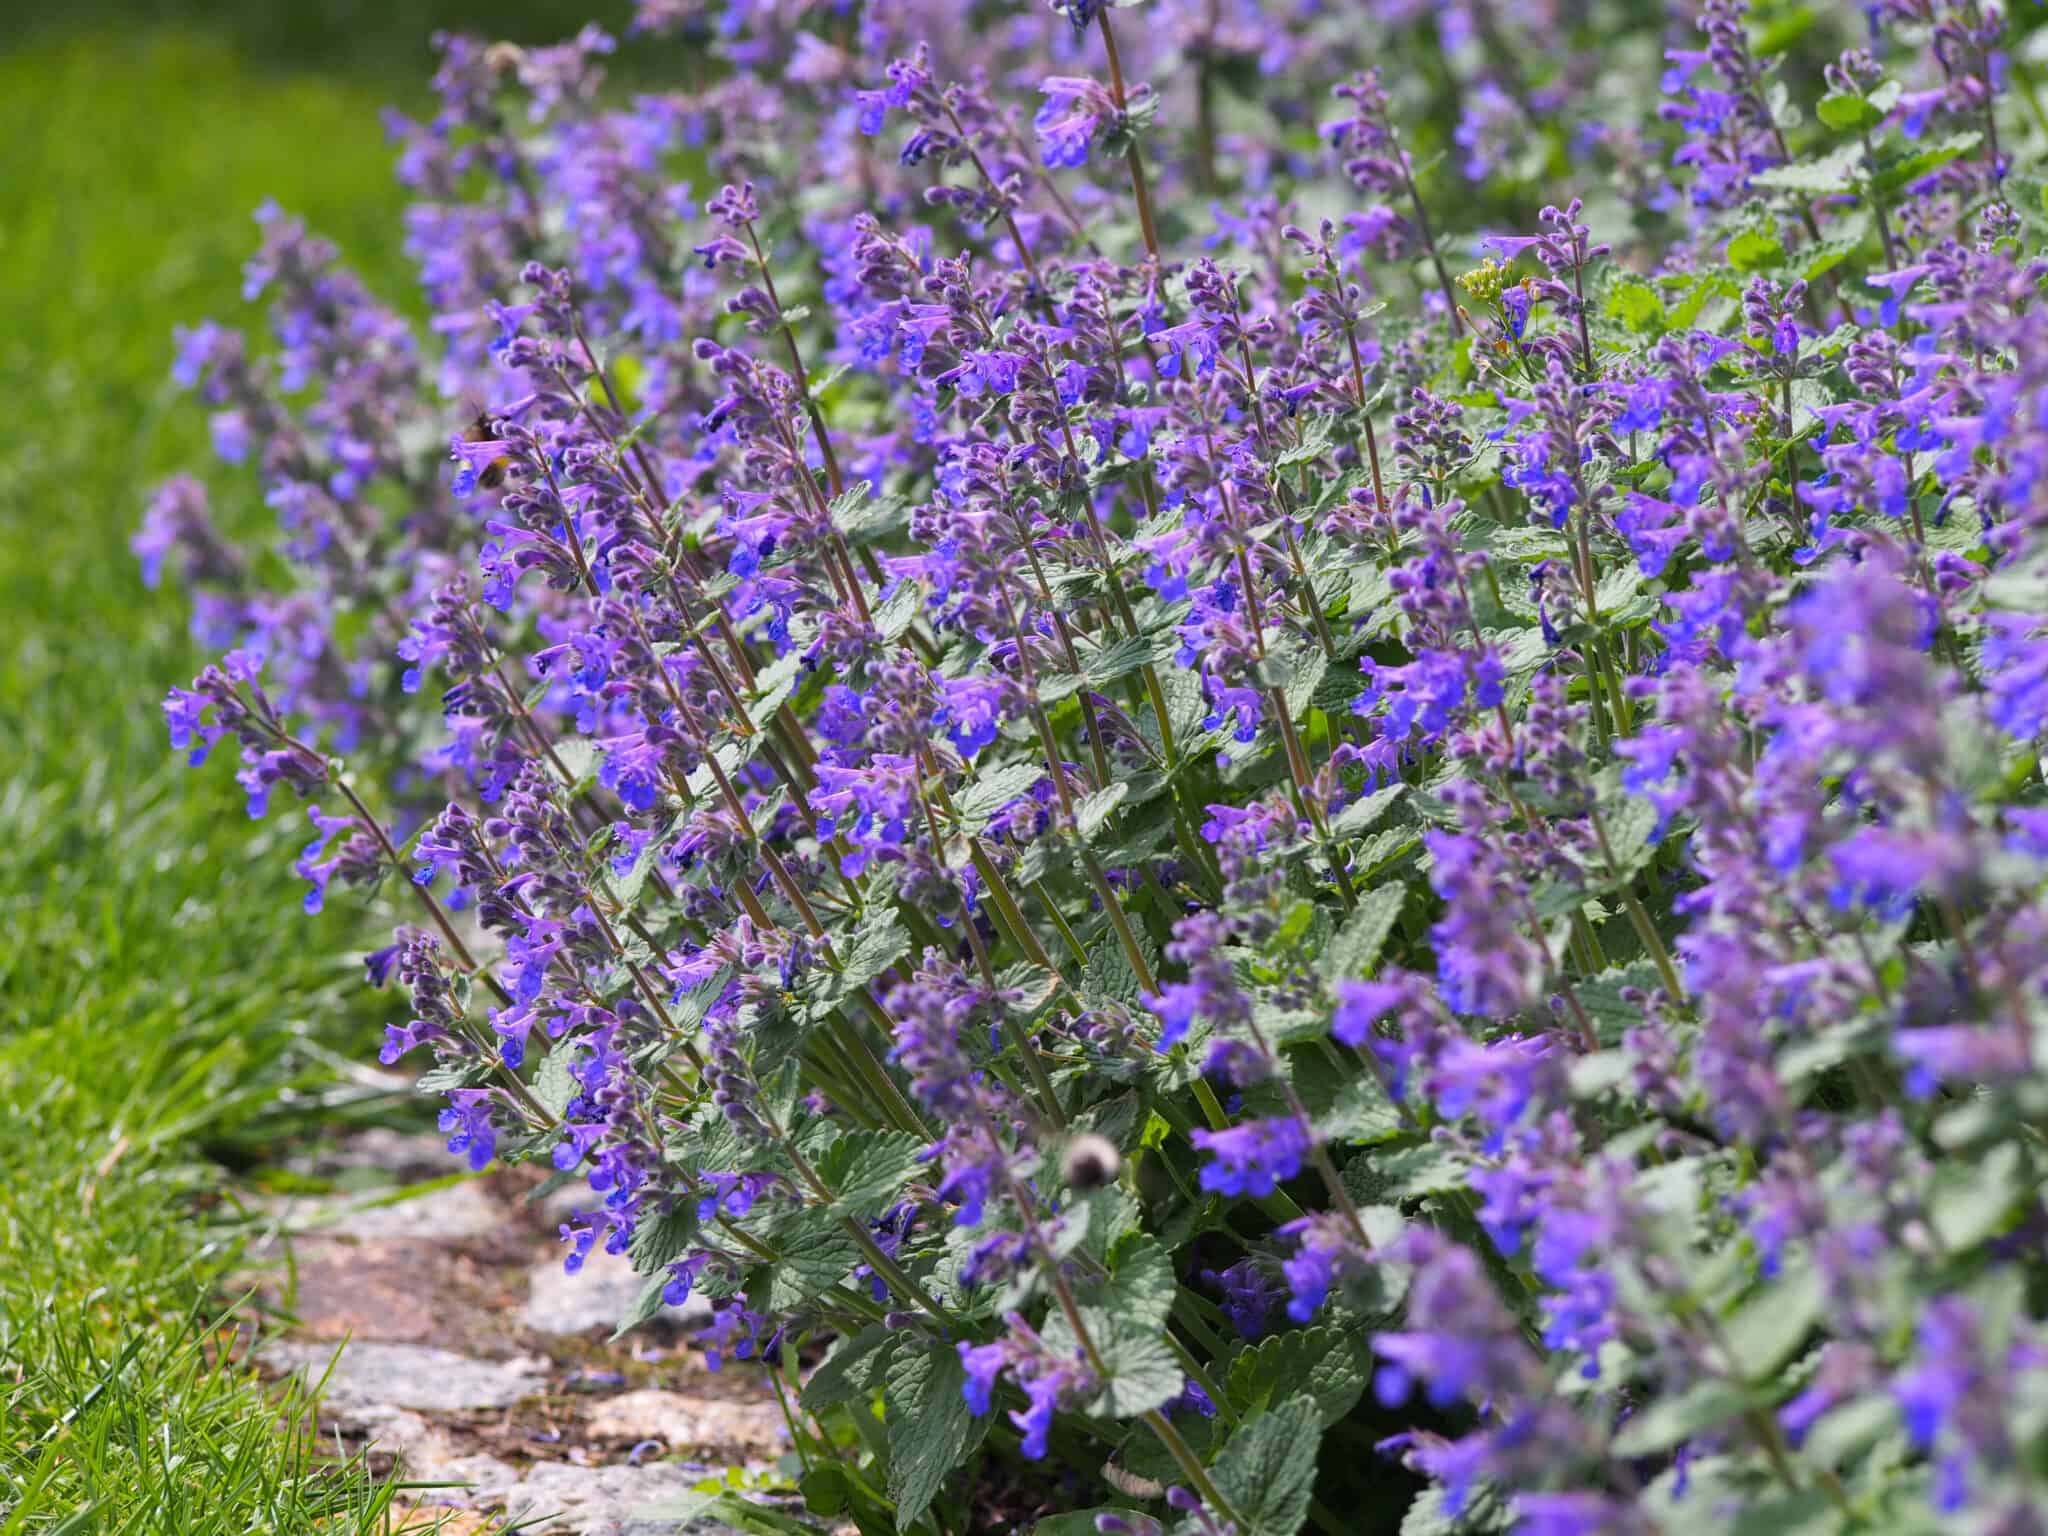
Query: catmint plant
point(1267, 767)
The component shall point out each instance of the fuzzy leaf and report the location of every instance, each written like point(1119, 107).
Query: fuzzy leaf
point(1328, 1364)
point(1268, 1468)
point(1766, 1329)
point(1141, 1284)
point(1670, 1421)
point(1347, 1107)
point(866, 1169)
point(855, 1368)
point(1356, 948)
point(1108, 663)
point(995, 789)
point(1968, 1204)
point(815, 1251)
point(1143, 1373)
point(1484, 1511)
point(1098, 807)
point(1828, 173)
point(552, 1084)
point(930, 1427)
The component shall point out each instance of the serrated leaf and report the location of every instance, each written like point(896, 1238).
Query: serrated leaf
point(1108, 977)
point(1300, 690)
point(773, 685)
point(1355, 949)
point(1851, 1428)
point(553, 1085)
point(644, 1305)
point(1896, 174)
point(577, 754)
point(1316, 435)
point(1634, 303)
point(1328, 1364)
point(1847, 112)
point(1347, 1108)
point(1402, 1173)
point(813, 1252)
point(1629, 824)
point(1755, 248)
point(1768, 1327)
point(930, 1427)
point(1601, 997)
point(661, 1237)
point(1969, 1203)
point(856, 1366)
point(995, 789)
point(1483, 1511)
point(1671, 1421)
point(1097, 808)
point(1268, 1468)
point(877, 944)
point(1365, 813)
point(867, 1169)
point(1826, 174)
point(1110, 662)
point(1143, 1373)
point(899, 610)
point(1141, 1284)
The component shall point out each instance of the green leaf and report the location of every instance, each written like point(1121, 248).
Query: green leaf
point(1755, 248)
point(1346, 1107)
point(1847, 112)
point(1636, 304)
point(1268, 1468)
point(1328, 1364)
point(1300, 690)
point(855, 1368)
point(1141, 1284)
point(899, 610)
point(1969, 1203)
point(552, 1084)
point(644, 1305)
point(1356, 948)
point(1403, 1173)
point(1143, 1373)
point(814, 1252)
point(773, 685)
point(1601, 997)
point(930, 1427)
point(1769, 1326)
point(993, 790)
point(1108, 977)
point(1629, 824)
point(867, 1169)
point(1896, 174)
point(1484, 1511)
point(1671, 1421)
point(1315, 438)
point(1111, 662)
point(1830, 173)
point(661, 1238)
point(1364, 813)
point(1098, 807)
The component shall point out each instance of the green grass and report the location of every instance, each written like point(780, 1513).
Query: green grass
point(163, 1002)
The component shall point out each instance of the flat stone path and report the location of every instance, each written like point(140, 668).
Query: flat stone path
point(457, 1351)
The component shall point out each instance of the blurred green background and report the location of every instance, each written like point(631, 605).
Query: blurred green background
point(165, 1007)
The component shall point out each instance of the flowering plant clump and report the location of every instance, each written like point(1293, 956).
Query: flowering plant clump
point(1269, 765)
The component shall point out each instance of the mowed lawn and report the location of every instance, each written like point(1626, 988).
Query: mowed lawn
point(165, 1007)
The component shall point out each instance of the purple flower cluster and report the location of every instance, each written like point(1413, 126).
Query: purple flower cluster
point(1077, 702)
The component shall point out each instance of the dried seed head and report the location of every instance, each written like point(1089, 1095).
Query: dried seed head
point(1091, 1161)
